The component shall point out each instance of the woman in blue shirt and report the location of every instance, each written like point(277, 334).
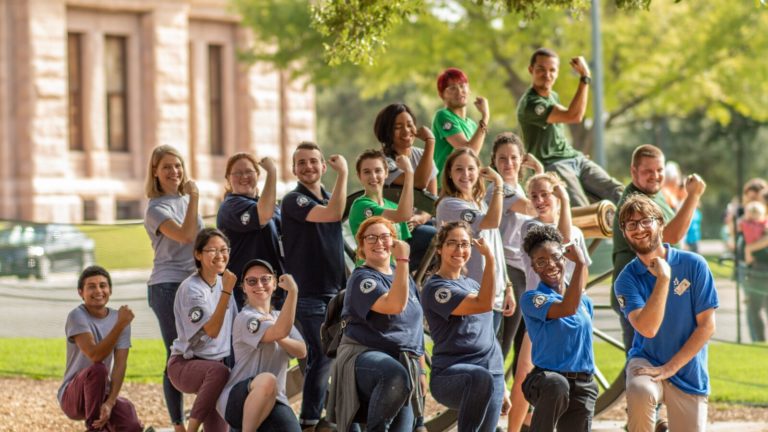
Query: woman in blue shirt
point(558, 317)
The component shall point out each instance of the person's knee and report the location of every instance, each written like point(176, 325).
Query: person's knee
point(219, 374)
point(481, 383)
point(555, 388)
point(97, 372)
point(264, 385)
point(641, 392)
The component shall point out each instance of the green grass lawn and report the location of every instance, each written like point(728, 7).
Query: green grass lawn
point(120, 246)
point(739, 373)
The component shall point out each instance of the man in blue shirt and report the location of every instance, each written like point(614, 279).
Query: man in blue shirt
point(669, 297)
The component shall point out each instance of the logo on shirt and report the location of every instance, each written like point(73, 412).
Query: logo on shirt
point(253, 325)
point(539, 300)
point(196, 314)
point(447, 126)
point(302, 201)
point(621, 301)
point(681, 286)
point(539, 109)
point(368, 212)
point(367, 285)
point(468, 216)
point(391, 165)
point(245, 218)
point(442, 295)
point(509, 191)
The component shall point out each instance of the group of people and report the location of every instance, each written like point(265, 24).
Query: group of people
point(498, 244)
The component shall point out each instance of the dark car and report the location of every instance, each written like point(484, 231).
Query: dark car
point(37, 250)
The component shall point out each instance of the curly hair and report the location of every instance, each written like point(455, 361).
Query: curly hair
point(538, 235)
point(384, 126)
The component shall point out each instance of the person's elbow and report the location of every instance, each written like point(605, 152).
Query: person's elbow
point(95, 356)
point(301, 352)
point(393, 308)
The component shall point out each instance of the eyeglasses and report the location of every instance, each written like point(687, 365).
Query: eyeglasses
point(453, 244)
point(542, 263)
point(646, 223)
point(213, 251)
point(248, 173)
point(263, 280)
point(373, 238)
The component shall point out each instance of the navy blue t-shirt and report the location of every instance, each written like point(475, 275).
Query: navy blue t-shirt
point(238, 219)
point(388, 333)
point(466, 339)
point(314, 252)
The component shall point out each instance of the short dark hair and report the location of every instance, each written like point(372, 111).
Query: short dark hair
point(91, 271)
point(505, 138)
point(371, 154)
point(202, 238)
point(640, 204)
point(384, 126)
point(646, 151)
point(540, 234)
point(305, 145)
point(448, 75)
point(546, 52)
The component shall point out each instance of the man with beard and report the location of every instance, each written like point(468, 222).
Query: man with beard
point(669, 297)
point(647, 171)
point(314, 254)
point(542, 119)
point(451, 126)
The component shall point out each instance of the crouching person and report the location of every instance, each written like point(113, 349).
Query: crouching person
point(264, 341)
point(98, 340)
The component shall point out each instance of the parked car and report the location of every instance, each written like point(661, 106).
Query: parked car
point(39, 249)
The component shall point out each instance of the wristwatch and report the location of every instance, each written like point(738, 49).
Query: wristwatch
point(586, 80)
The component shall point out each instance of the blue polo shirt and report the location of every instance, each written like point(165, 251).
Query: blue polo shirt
point(314, 252)
point(563, 344)
point(465, 339)
point(691, 291)
point(388, 333)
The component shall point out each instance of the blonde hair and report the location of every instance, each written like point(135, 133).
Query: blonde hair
point(549, 177)
point(754, 210)
point(152, 186)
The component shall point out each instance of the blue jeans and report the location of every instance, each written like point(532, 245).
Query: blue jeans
point(421, 238)
point(160, 298)
point(474, 392)
point(310, 313)
point(383, 385)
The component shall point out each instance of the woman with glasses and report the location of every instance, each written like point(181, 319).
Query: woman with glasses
point(467, 366)
point(378, 377)
point(251, 221)
point(558, 317)
point(172, 221)
point(462, 199)
point(204, 310)
point(264, 340)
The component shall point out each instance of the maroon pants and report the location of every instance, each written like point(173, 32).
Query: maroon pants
point(83, 397)
point(206, 379)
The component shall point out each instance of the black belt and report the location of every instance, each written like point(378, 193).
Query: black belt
point(577, 376)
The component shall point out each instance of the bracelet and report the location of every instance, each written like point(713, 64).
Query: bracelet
point(402, 259)
point(483, 126)
point(422, 372)
point(226, 292)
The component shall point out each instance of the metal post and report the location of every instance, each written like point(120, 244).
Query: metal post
point(597, 84)
point(736, 262)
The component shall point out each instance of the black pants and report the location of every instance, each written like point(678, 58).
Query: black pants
point(559, 400)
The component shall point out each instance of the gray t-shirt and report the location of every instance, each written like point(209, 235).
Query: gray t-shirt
point(452, 209)
point(531, 278)
point(254, 356)
point(511, 222)
point(79, 321)
point(395, 172)
point(194, 305)
point(173, 261)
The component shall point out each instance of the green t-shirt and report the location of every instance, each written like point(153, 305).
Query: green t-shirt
point(446, 123)
point(364, 207)
point(622, 253)
point(544, 140)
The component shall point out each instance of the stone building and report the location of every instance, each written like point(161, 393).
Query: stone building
point(89, 87)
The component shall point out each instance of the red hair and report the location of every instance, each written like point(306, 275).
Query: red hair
point(448, 75)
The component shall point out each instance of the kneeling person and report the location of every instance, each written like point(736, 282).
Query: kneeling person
point(98, 339)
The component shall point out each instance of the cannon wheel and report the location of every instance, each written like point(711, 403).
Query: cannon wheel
point(611, 389)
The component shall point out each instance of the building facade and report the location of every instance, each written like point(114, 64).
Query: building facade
point(89, 87)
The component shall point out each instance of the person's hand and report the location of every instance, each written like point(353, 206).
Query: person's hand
point(338, 163)
point(228, 280)
point(579, 64)
point(506, 403)
point(404, 163)
point(190, 188)
point(660, 268)
point(560, 193)
point(574, 253)
point(425, 134)
point(490, 174)
point(694, 185)
point(482, 247)
point(509, 302)
point(481, 104)
point(657, 374)
point(124, 315)
point(748, 257)
point(288, 283)
point(105, 412)
point(530, 161)
point(423, 384)
point(268, 164)
point(401, 249)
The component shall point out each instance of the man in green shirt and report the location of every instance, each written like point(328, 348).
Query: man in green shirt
point(451, 126)
point(647, 170)
point(542, 120)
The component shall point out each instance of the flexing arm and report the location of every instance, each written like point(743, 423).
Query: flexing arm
point(294, 347)
point(116, 383)
point(572, 298)
point(424, 168)
point(404, 209)
point(97, 352)
point(395, 300)
point(282, 327)
point(647, 320)
point(492, 218)
point(475, 142)
point(482, 301)
point(675, 230)
point(334, 212)
point(575, 111)
point(213, 326)
point(266, 204)
point(187, 231)
point(564, 223)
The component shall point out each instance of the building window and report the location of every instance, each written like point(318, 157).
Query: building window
point(215, 106)
point(89, 210)
point(115, 73)
point(127, 210)
point(74, 79)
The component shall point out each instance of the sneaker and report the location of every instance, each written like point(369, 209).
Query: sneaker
point(661, 425)
point(325, 426)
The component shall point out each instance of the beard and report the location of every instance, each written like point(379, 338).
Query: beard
point(641, 249)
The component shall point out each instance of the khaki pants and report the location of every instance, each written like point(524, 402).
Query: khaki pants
point(687, 412)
